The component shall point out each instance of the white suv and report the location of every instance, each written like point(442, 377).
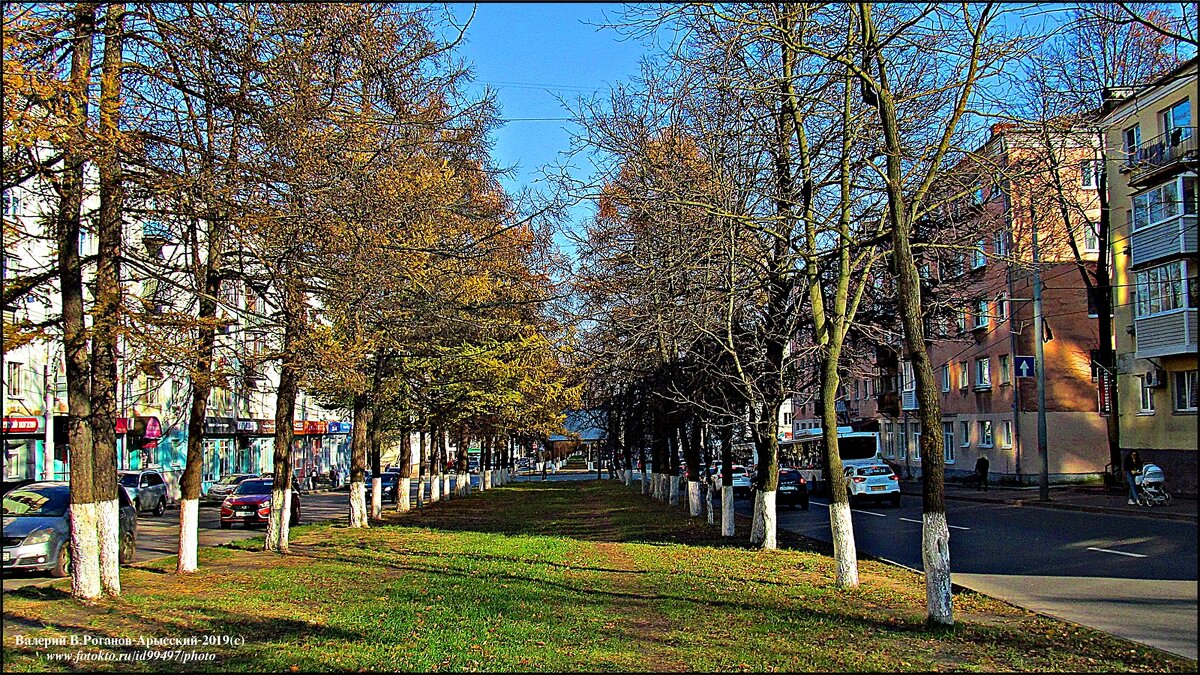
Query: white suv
point(876, 481)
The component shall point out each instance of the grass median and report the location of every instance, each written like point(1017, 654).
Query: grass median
point(555, 576)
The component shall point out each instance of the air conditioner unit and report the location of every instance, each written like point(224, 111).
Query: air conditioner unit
point(1155, 378)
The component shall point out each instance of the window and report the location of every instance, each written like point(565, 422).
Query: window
point(916, 440)
point(910, 380)
point(12, 203)
point(1160, 203)
point(977, 195)
point(1176, 122)
point(1089, 174)
point(945, 377)
point(948, 440)
point(888, 449)
point(981, 314)
point(1000, 246)
point(985, 433)
point(1006, 434)
point(963, 376)
point(900, 438)
point(960, 321)
point(1133, 141)
point(1147, 396)
point(1185, 391)
point(15, 372)
point(978, 259)
point(1002, 308)
point(983, 373)
point(1160, 289)
point(964, 434)
point(1005, 370)
point(1089, 238)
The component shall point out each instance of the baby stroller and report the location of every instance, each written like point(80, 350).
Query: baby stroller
point(1150, 486)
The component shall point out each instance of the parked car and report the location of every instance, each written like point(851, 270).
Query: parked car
point(388, 486)
point(874, 481)
point(793, 489)
point(250, 504)
point(224, 487)
point(146, 488)
point(741, 479)
point(37, 528)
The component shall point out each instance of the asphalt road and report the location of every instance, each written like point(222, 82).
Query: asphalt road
point(1130, 576)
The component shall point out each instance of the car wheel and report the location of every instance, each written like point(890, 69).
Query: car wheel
point(160, 506)
point(128, 548)
point(225, 525)
point(62, 566)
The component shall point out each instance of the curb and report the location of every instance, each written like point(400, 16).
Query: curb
point(1159, 515)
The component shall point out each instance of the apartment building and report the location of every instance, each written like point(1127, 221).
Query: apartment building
point(981, 343)
point(1151, 156)
point(153, 395)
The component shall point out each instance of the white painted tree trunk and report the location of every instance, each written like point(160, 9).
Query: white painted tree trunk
point(695, 506)
point(405, 499)
point(710, 508)
point(464, 484)
point(358, 504)
point(377, 497)
point(763, 532)
point(727, 511)
point(285, 520)
point(935, 553)
point(674, 490)
point(85, 552)
point(279, 520)
point(421, 493)
point(645, 483)
point(627, 476)
point(845, 550)
point(109, 536)
point(435, 488)
point(485, 482)
point(446, 485)
point(189, 522)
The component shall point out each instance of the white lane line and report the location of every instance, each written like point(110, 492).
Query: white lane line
point(869, 513)
point(1109, 550)
point(953, 527)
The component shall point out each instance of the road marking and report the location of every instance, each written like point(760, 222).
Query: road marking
point(1109, 550)
point(953, 527)
point(869, 513)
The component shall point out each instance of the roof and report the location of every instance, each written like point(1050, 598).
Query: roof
point(582, 424)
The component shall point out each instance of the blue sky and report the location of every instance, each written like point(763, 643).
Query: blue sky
point(532, 54)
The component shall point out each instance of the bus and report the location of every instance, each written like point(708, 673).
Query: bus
point(806, 451)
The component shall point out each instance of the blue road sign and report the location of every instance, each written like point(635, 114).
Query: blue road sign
point(1024, 366)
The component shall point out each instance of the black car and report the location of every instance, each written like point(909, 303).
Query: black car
point(389, 484)
point(793, 489)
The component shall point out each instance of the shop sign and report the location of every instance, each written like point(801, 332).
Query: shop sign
point(23, 425)
point(297, 426)
point(148, 427)
point(266, 426)
point(339, 427)
point(219, 425)
point(313, 427)
point(122, 425)
point(247, 426)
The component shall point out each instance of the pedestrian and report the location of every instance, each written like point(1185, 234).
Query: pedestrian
point(981, 472)
point(544, 470)
point(333, 477)
point(1132, 467)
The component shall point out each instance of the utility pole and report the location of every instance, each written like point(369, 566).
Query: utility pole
point(1039, 365)
point(48, 387)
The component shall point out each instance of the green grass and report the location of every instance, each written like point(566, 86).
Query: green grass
point(552, 576)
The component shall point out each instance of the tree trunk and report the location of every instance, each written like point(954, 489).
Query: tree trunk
point(435, 458)
point(374, 441)
point(107, 310)
point(841, 525)
point(84, 550)
point(763, 530)
point(422, 470)
point(285, 409)
point(404, 501)
point(359, 444)
point(727, 519)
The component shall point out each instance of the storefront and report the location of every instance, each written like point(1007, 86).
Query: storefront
point(24, 449)
point(137, 439)
point(219, 449)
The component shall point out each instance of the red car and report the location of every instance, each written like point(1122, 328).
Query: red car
point(250, 504)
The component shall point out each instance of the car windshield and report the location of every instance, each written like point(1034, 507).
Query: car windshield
point(230, 480)
point(48, 502)
point(874, 471)
point(254, 487)
point(129, 479)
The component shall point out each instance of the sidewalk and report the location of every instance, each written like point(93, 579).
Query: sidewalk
point(1093, 499)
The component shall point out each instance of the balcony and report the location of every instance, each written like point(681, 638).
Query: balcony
point(1161, 155)
point(1172, 332)
point(1162, 241)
